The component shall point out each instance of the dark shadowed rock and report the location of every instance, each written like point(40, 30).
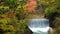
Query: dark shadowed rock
point(1, 31)
point(52, 19)
point(28, 31)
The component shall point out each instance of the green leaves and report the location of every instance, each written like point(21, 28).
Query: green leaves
point(13, 3)
point(50, 10)
point(3, 11)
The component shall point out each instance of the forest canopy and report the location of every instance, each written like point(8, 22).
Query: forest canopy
point(14, 13)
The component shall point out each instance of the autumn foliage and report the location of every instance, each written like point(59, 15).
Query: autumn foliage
point(30, 6)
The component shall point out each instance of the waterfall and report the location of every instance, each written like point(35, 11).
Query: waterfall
point(39, 26)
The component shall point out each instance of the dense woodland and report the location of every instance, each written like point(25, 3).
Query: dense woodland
point(14, 14)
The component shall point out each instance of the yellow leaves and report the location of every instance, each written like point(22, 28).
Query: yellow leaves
point(7, 27)
point(3, 15)
point(5, 7)
point(7, 33)
point(46, 2)
point(1, 6)
point(53, 1)
point(42, 1)
point(21, 6)
point(22, 21)
point(3, 26)
point(7, 15)
point(11, 28)
point(5, 19)
point(57, 18)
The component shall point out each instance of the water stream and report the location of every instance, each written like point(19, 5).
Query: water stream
point(39, 26)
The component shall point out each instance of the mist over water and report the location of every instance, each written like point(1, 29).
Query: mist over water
point(39, 26)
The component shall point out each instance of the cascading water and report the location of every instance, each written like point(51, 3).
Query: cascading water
point(39, 26)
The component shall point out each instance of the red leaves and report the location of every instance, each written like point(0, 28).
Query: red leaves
point(27, 9)
point(31, 5)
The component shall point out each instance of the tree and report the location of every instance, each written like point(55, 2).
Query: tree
point(10, 15)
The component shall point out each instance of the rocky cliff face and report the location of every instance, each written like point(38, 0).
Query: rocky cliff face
point(53, 19)
point(55, 22)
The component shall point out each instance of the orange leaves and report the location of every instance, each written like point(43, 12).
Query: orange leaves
point(27, 9)
point(31, 5)
point(7, 33)
point(11, 14)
